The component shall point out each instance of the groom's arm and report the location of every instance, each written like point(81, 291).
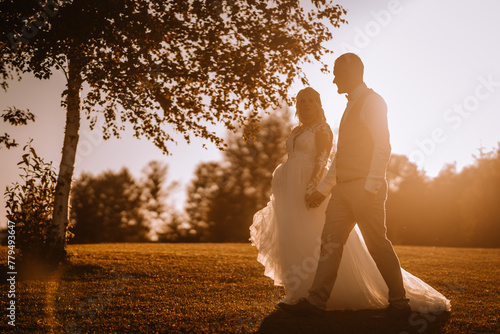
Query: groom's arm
point(374, 114)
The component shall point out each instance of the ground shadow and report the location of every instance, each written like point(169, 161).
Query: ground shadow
point(66, 272)
point(352, 322)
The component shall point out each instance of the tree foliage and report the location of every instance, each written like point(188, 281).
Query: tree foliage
point(160, 214)
point(452, 209)
point(204, 198)
point(117, 207)
point(108, 208)
point(14, 116)
point(204, 61)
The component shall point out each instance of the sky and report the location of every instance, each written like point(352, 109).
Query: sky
point(436, 63)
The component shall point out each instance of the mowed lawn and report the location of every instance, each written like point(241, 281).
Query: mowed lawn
point(220, 288)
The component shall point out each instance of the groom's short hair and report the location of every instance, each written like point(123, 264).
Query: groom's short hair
point(351, 61)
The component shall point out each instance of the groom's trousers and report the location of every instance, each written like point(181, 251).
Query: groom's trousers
point(351, 204)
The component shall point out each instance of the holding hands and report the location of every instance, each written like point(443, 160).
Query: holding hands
point(314, 199)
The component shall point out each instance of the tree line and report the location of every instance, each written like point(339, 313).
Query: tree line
point(451, 209)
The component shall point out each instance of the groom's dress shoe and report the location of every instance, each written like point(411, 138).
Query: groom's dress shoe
point(303, 308)
point(394, 312)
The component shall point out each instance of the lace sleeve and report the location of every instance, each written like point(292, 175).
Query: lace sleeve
point(324, 142)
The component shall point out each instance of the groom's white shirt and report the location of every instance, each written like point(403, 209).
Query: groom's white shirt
point(374, 114)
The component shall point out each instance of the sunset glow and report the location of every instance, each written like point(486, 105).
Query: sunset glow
point(435, 63)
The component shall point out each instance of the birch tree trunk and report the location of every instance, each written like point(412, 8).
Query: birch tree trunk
point(66, 167)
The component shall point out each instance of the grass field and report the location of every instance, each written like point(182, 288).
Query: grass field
point(219, 288)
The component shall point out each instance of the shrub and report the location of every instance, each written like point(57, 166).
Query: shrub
point(30, 206)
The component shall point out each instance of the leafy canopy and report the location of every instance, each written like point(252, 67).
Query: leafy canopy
point(157, 64)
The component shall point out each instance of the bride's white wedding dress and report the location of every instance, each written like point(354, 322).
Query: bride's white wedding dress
point(288, 237)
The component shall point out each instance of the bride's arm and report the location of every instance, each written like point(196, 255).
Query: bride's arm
point(329, 181)
point(324, 139)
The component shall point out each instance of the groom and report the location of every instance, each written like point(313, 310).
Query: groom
point(357, 183)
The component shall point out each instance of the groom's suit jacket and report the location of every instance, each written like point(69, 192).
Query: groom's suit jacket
point(363, 148)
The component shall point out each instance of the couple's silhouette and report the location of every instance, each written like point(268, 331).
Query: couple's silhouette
point(323, 235)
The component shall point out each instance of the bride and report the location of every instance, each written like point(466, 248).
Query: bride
point(287, 233)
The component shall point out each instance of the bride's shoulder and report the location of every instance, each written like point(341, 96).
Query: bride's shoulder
point(323, 127)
